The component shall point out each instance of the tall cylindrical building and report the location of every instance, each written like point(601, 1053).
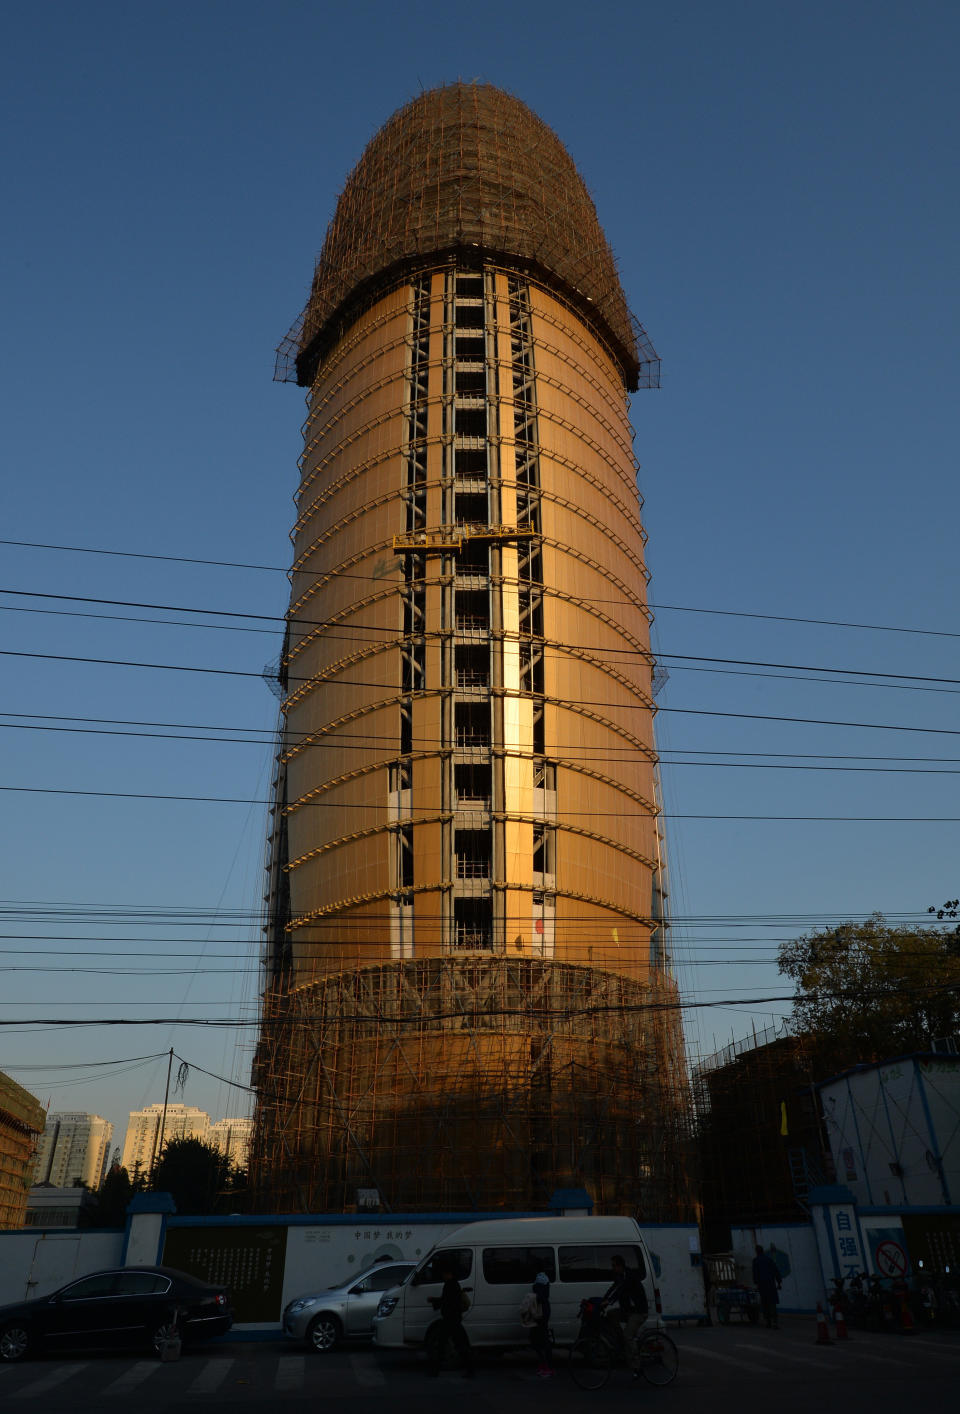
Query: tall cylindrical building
point(468, 998)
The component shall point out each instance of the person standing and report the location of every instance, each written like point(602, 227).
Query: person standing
point(540, 1332)
point(627, 1292)
point(450, 1326)
point(766, 1278)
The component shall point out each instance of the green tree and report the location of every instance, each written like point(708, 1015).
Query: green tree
point(867, 991)
point(115, 1193)
point(197, 1175)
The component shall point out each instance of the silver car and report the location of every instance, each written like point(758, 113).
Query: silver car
point(325, 1318)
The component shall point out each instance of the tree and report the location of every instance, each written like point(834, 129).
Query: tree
point(869, 991)
point(115, 1193)
point(198, 1175)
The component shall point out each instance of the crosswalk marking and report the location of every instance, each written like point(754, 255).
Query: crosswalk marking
point(290, 1372)
point(940, 1351)
point(211, 1377)
point(876, 1359)
point(697, 1350)
point(779, 1354)
point(48, 1381)
point(366, 1371)
point(136, 1375)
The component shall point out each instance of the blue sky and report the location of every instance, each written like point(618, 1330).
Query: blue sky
point(779, 185)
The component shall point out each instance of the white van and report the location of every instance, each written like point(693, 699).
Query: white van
point(495, 1263)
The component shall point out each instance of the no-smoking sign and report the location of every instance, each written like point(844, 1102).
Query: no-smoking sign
point(891, 1259)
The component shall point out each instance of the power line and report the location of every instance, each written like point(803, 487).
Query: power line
point(673, 608)
point(137, 619)
point(351, 636)
point(911, 684)
point(270, 733)
point(607, 814)
point(688, 711)
point(152, 912)
point(464, 1014)
point(142, 555)
point(336, 744)
point(86, 1065)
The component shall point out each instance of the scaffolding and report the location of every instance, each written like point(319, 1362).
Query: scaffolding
point(466, 170)
point(760, 1139)
point(455, 1084)
point(22, 1118)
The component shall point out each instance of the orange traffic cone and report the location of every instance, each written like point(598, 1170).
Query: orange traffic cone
point(840, 1322)
point(823, 1333)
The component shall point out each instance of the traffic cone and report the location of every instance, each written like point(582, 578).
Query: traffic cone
point(840, 1322)
point(906, 1317)
point(823, 1333)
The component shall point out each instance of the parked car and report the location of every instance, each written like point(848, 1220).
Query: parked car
point(324, 1318)
point(127, 1306)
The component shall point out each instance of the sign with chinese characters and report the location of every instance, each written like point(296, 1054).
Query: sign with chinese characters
point(846, 1240)
point(248, 1261)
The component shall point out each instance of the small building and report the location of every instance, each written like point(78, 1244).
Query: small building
point(48, 1206)
point(894, 1132)
point(21, 1123)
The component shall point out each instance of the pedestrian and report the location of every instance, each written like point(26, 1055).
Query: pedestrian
point(540, 1330)
point(766, 1278)
point(450, 1304)
point(627, 1292)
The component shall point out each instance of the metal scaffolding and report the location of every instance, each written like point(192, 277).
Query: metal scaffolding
point(465, 169)
point(460, 1083)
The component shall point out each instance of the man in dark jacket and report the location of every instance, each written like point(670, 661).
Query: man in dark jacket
point(540, 1333)
point(766, 1278)
point(450, 1325)
point(628, 1294)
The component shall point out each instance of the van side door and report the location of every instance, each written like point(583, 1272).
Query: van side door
point(422, 1292)
point(508, 1274)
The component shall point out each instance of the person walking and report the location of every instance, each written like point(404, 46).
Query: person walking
point(450, 1327)
point(766, 1278)
point(540, 1331)
point(627, 1292)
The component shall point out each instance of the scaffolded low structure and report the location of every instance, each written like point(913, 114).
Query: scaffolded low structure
point(469, 999)
point(22, 1118)
point(760, 1140)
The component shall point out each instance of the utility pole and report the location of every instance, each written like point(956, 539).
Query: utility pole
point(158, 1138)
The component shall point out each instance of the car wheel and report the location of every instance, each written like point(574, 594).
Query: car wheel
point(323, 1334)
point(162, 1334)
point(14, 1341)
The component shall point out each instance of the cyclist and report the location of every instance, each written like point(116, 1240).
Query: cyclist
point(627, 1293)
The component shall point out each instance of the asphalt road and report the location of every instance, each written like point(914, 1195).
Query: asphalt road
point(723, 1370)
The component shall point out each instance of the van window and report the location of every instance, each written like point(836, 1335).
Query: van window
point(460, 1258)
point(592, 1262)
point(517, 1266)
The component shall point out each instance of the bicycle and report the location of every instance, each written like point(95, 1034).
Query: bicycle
point(601, 1345)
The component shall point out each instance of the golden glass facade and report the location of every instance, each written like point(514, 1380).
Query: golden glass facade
point(468, 998)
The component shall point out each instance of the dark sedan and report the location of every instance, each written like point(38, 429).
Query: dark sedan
point(128, 1306)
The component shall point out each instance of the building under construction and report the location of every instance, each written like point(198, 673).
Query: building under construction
point(22, 1118)
point(468, 998)
point(761, 1142)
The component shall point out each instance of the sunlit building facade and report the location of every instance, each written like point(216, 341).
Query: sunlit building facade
point(74, 1148)
point(468, 999)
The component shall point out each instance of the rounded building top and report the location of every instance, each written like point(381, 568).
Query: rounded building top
point(468, 170)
